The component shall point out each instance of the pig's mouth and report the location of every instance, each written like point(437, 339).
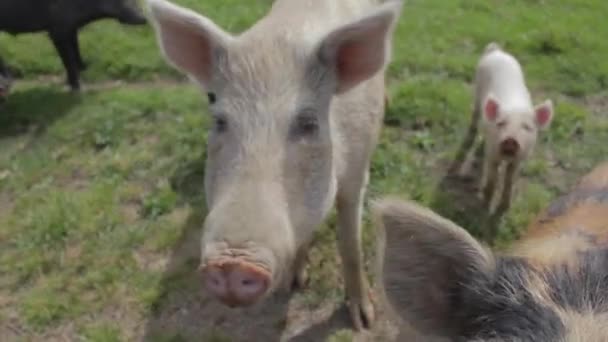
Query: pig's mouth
point(509, 148)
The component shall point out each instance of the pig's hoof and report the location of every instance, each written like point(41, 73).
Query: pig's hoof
point(361, 312)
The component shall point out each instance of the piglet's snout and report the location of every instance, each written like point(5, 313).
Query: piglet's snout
point(236, 283)
point(509, 147)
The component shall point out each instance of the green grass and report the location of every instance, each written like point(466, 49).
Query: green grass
point(101, 197)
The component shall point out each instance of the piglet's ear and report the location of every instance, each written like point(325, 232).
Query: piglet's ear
point(357, 51)
point(490, 108)
point(544, 114)
point(189, 41)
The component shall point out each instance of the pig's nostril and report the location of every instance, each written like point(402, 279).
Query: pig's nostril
point(215, 281)
point(249, 289)
point(248, 282)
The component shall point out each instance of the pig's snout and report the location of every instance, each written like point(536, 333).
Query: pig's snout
point(236, 283)
point(509, 147)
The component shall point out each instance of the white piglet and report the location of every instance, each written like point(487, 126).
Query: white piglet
point(510, 121)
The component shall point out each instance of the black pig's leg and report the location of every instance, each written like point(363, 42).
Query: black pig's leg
point(75, 46)
point(68, 57)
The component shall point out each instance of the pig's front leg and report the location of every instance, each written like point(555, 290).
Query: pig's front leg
point(349, 205)
point(511, 173)
point(300, 277)
point(75, 46)
point(490, 173)
point(68, 57)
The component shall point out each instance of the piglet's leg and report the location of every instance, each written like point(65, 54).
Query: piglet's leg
point(488, 182)
point(349, 206)
point(511, 173)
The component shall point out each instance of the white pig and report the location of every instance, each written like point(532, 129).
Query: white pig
point(510, 121)
point(297, 102)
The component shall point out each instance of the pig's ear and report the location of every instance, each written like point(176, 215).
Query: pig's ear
point(357, 51)
point(424, 262)
point(543, 114)
point(189, 41)
point(490, 108)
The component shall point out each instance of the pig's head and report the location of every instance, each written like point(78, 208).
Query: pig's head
point(514, 132)
point(270, 154)
point(125, 11)
point(443, 282)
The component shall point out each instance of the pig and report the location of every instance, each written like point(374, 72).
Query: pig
point(552, 285)
point(5, 81)
point(510, 122)
point(62, 20)
point(297, 105)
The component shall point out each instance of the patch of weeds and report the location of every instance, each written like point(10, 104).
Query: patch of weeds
point(341, 336)
point(159, 202)
point(147, 288)
point(423, 140)
point(216, 336)
point(49, 226)
point(323, 272)
point(48, 304)
point(100, 333)
point(536, 168)
point(568, 122)
point(553, 42)
point(527, 203)
point(429, 102)
point(166, 236)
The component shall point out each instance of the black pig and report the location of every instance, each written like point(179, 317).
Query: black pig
point(62, 19)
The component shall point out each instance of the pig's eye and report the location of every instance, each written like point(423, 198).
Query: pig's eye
point(501, 124)
point(220, 124)
point(211, 97)
point(306, 124)
point(527, 127)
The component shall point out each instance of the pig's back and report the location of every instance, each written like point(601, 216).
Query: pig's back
point(501, 74)
point(305, 22)
point(573, 223)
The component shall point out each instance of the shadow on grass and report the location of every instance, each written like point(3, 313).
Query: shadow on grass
point(339, 319)
point(456, 195)
point(34, 109)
